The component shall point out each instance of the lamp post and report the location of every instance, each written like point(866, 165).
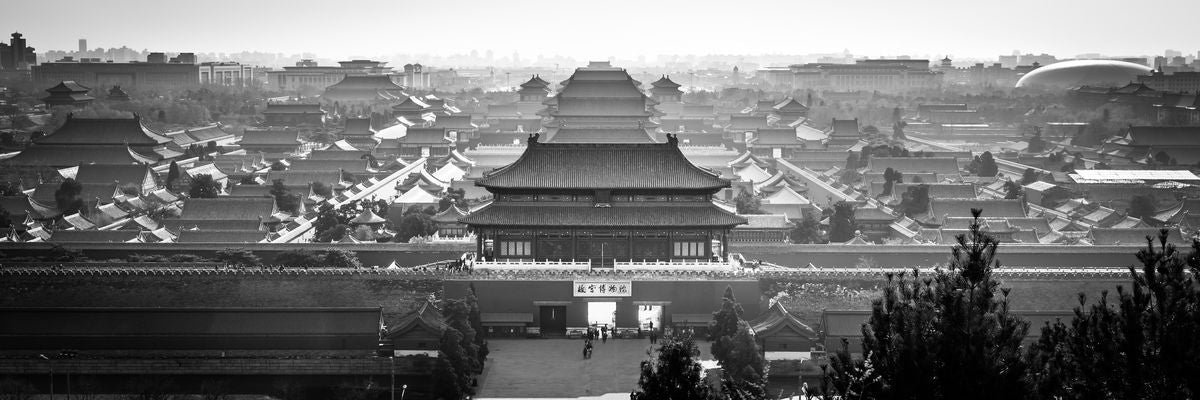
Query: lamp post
point(403, 388)
point(50, 363)
point(392, 361)
point(68, 354)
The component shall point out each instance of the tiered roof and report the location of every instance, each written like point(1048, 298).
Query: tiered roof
point(602, 166)
point(599, 135)
point(68, 93)
point(619, 215)
point(104, 131)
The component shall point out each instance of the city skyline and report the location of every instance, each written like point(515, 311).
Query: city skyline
point(596, 31)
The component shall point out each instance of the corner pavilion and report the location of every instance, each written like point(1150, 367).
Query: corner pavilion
point(602, 203)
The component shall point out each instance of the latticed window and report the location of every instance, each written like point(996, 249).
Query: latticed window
point(515, 248)
point(688, 249)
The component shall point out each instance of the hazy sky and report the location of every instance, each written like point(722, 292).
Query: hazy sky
point(621, 28)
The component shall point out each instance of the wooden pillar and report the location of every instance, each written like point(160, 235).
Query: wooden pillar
point(629, 247)
point(708, 244)
point(574, 245)
point(725, 244)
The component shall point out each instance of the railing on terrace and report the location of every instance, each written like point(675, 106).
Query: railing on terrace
point(519, 264)
point(690, 265)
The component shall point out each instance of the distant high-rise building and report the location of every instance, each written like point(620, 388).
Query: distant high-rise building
point(16, 55)
point(1172, 53)
point(82, 47)
point(157, 58)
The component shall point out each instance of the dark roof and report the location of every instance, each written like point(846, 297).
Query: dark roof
point(424, 317)
point(270, 137)
point(329, 155)
point(748, 122)
point(602, 166)
point(665, 82)
point(220, 236)
point(940, 165)
point(358, 127)
point(68, 87)
point(535, 82)
point(790, 105)
point(598, 135)
point(1164, 135)
point(62, 156)
point(425, 136)
point(619, 215)
point(777, 317)
point(180, 225)
point(455, 122)
point(936, 190)
point(109, 131)
point(109, 173)
point(207, 133)
point(264, 190)
point(845, 127)
point(115, 236)
point(228, 208)
point(774, 136)
point(992, 208)
point(275, 108)
point(305, 177)
point(354, 166)
point(161, 328)
point(367, 217)
point(1132, 236)
point(450, 214)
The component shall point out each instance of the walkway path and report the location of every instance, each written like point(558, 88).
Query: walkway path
point(555, 368)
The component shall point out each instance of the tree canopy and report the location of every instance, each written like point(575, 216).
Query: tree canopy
point(949, 336)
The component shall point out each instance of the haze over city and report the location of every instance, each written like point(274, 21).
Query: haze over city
point(601, 200)
point(619, 28)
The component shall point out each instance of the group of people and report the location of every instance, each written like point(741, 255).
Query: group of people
point(593, 334)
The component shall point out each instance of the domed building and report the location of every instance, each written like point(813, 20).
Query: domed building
point(1084, 72)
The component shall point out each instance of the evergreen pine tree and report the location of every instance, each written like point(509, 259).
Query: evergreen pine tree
point(724, 324)
point(1142, 346)
point(949, 336)
point(675, 374)
point(842, 224)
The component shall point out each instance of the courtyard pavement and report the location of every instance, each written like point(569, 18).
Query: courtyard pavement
point(555, 368)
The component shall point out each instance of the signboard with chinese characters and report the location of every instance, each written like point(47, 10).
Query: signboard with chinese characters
point(602, 288)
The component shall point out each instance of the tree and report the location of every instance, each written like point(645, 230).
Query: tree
point(851, 161)
point(68, 196)
point(342, 259)
point(414, 225)
point(898, 130)
point(987, 165)
point(299, 258)
point(284, 198)
point(1036, 143)
point(842, 224)
point(1140, 346)
point(724, 324)
point(915, 200)
point(1013, 190)
point(172, 174)
point(476, 319)
point(322, 189)
point(808, 231)
point(747, 203)
point(850, 177)
point(949, 336)
point(744, 369)
point(239, 257)
point(890, 177)
point(204, 187)
point(1142, 206)
point(11, 188)
point(278, 165)
point(674, 374)
point(1029, 176)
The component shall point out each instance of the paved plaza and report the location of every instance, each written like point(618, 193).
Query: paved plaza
point(555, 368)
